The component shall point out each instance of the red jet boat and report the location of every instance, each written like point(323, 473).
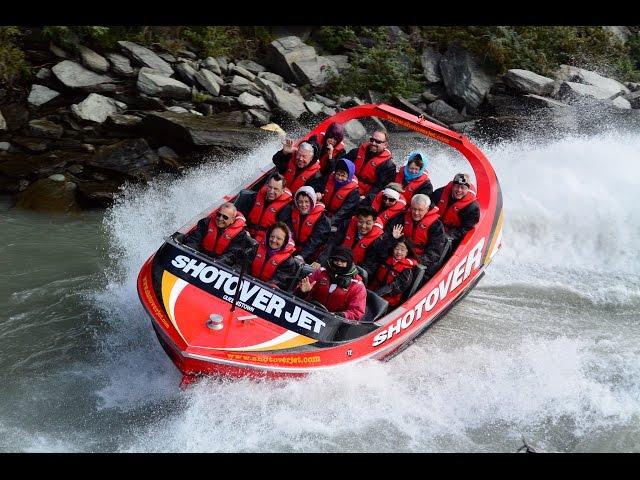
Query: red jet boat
point(272, 333)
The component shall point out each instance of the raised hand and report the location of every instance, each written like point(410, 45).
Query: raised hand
point(306, 285)
point(315, 265)
point(397, 231)
point(330, 150)
point(287, 145)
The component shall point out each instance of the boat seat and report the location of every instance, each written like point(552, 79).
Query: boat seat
point(376, 307)
point(244, 201)
point(418, 275)
point(363, 273)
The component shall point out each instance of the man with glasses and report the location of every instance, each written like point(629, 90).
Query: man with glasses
point(389, 203)
point(422, 225)
point(266, 206)
point(221, 235)
point(374, 167)
point(459, 209)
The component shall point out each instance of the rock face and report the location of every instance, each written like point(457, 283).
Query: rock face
point(290, 103)
point(283, 52)
point(465, 81)
point(316, 71)
point(76, 76)
point(50, 195)
point(146, 57)
point(430, 60)
point(528, 82)
point(587, 77)
point(218, 130)
point(96, 108)
point(128, 156)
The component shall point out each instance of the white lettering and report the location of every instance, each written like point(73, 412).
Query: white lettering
point(444, 287)
point(418, 308)
point(457, 274)
point(275, 304)
point(204, 274)
point(379, 338)
point(432, 298)
point(222, 276)
point(230, 286)
point(407, 319)
point(246, 293)
point(293, 317)
point(195, 267)
point(395, 328)
point(180, 261)
point(474, 258)
point(261, 299)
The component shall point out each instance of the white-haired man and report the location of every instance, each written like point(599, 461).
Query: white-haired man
point(299, 165)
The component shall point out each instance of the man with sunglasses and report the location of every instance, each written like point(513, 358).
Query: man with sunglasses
point(459, 209)
point(389, 203)
point(374, 167)
point(221, 235)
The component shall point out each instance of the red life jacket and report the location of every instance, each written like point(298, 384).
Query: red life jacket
point(420, 234)
point(302, 230)
point(449, 213)
point(335, 301)
point(261, 218)
point(218, 245)
point(366, 172)
point(296, 178)
point(333, 199)
point(324, 158)
point(411, 187)
point(389, 213)
point(387, 273)
point(265, 268)
point(360, 248)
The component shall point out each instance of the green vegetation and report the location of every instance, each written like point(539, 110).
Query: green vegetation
point(377, 63)
point(543, 49)
point(199, 97)
point(13, 65)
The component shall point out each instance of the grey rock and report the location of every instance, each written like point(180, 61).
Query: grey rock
point(43, 74)
point(153, 84)
point(633, 99)
point(355, 131)
point(97, 108)
point(243, 72)
point(31, 143)
point(177, 109)
point(167, 57)
point(429, 97)
point(76, 76)
point(58, 52)
point(340, 62)
point(124, 121)
point(251, 66)
point(250, 101)
point(464, 79)
point(223, 64)
point(187, 73)
point(260, 117)
point(619, 33)
point(621, 102)
point(5, 146)
point(545, 102)
point(120, 64)
point(529, 82)
point(588, 77)
point(316, 71)
point(146, 57)
point(287, 102)
point(93, 60)
point(207, 80)
point(212, 64)
point(315, 108)
point(324, 100)
point(167, 153)
point(573, 91)
point(3, 123)
point(272, 77)
point(633, 86)
point(15, 116)
point(328, 111)
point(44, 128)
point(430, 61)
point(445, 112)
point(187, 53)
point(283, 52)
point(128, 156)
point(240, 85)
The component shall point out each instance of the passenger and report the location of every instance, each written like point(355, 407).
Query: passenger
point(374, 167)
point(389, 203)
point(266, 207)
point(273, 261)
point(423, 227)
point(341, 195)
point(364, 236)
point(338, 286)
point(414, 177)
point(299, 166)
point(330, 146)
point(394, 276)
point(308, 223)
point(459, 209)
point(221, 235)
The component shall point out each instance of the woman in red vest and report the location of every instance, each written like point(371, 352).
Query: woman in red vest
point(331, 147)
point(414, 177)
point(273, 262)
point(394, 276)
point(341, 196)
point(308, 223)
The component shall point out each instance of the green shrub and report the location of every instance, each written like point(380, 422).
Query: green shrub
point(13, 65)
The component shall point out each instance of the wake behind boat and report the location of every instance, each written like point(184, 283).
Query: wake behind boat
point(209, 326)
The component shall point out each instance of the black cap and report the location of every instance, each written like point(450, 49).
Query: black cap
point(342, 253)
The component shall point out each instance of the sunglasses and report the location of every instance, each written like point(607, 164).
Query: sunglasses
point(222, 215)
point(375, 140)
point(388, 199)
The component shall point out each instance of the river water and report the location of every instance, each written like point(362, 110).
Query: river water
point(546, 347)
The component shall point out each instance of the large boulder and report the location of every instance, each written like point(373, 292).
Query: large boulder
point(444, 112)
point(528, 82)
point(250, 101)
point(209, 81)
point(73, 75)
point(39, 95)
point(156, 84)
point(93, 60)
point(130, 157)
point(290, 103)
point(146, 57)
point(315, 71)
point(430, 60)
point(187, 130)
point(283, 52)
point(121, 64)
point(97, 108)
point(465, 80)
point(53, 194)
point(580, 75)
point(187, 73)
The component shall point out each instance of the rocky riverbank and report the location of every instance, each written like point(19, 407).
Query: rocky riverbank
point(91, 120)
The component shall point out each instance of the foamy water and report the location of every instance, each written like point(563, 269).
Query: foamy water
point(545, 347)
